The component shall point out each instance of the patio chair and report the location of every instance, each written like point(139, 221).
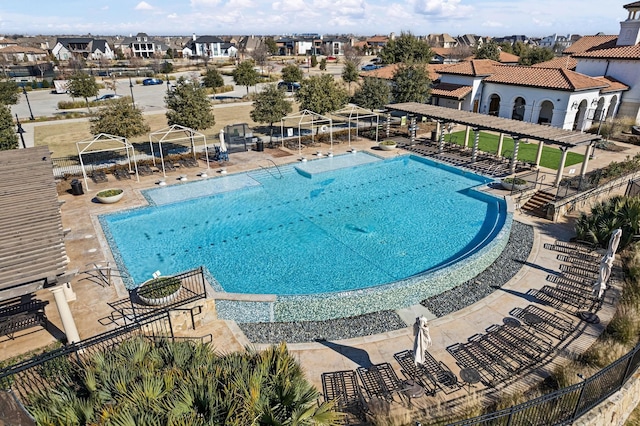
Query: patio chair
point(121, 173)
point(98, 176)
point(445, 379)
point(554, 324)
point(188, 162)
point(342, 387)
point(519, 346)
point(561, 298)
point(417, 373)
point(380, 381)
point(144, 170)
point(470, 356)
point(497, 351)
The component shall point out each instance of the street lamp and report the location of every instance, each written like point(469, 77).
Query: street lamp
point(21, 132)
point(24, 90)
point(168, 84)
point(133, 102)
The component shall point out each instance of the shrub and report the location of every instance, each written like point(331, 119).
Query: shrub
point(109, 193)
point(617, 212)
point(515, 181)
point(160, 287)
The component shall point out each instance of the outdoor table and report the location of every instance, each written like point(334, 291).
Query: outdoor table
point(511, 322)
point(411, 389)
point(532, 319)
point(470, 376)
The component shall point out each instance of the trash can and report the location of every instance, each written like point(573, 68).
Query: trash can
point(259, 145)
point(76, 187)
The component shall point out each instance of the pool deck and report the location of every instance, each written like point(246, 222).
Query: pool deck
point(86, 247)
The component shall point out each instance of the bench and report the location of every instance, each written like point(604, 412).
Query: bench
point(21, 316)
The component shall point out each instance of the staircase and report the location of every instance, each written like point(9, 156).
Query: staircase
point(536, 206)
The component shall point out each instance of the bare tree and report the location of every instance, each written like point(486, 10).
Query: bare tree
point(136, 62)
point(42, 67)
point(460, 52)
point(353, 54)
point(260, 55)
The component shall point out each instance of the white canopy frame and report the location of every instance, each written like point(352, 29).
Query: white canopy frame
point(354, 113)
point(109, 143)
point(305, 118)
point(177, 133)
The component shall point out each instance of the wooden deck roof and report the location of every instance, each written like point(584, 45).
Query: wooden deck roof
point(32, 251)
point(522, 129)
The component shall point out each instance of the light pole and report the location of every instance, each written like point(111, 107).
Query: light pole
point(168, 84)
point(133, 101)
point(24, 90)
point(21, 132)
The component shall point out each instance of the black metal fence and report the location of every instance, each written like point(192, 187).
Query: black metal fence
point(39, 373)
point(565, 405)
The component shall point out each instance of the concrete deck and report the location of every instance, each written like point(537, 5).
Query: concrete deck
point(86, 247)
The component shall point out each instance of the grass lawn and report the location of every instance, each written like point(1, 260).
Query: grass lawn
point(61, 137)
point(526, 152)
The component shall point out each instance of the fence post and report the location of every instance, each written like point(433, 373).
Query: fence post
point(582, 386)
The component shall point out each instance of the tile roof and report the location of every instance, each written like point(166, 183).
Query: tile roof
point(548, 78)
point(566, 62)
point(22, 49)
point(634, 4)
point(620, 52)
point(453, 91)
point(588, 43)
point(613, 84)
point(508, 57)
point(474, 67)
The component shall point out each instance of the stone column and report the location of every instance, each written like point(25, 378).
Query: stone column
point(467, 131)
point(514, 159)
point(585, 163)
point(500, 142)
point(441, 138)
point(68, 323)
point(388, 125)
point(412, 130)
point(563, 159)
point(476, 142)
point(539, 153)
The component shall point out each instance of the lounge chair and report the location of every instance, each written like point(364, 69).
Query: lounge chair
point(122, 173)
point(98, 176)
point(144, 170)
point(342, 387)
point(380, 381)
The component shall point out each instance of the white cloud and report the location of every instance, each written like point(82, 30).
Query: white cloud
point(104, 8)
point(172, 16)
point(442, 9)
point(492, 24)
point(542, 23)
point(290, 6)
point(143, 5)
point(204, 3)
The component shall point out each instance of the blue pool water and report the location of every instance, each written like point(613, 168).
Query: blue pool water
point(310, 227)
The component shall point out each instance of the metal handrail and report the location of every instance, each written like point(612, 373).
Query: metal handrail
point(277, 168)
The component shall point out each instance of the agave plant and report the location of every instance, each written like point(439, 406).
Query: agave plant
point(607, 216)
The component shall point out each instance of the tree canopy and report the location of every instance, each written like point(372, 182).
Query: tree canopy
point(373, 93)
point(83, 85)
point(213, 78)
point(272, 46)
point(488, 51)
point(8, 135)
point(246, 75)
point(411, 83)
point(119, 118)
point(350, 73)
point(321, 94)
point(406, 48)
point(270, 106)
point(189, 106)
point(291, 73)
point(534, 55)
point(9, 92)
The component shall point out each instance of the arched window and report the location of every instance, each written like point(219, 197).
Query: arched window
point(546, 113)
point(518, 109)
point(494, 105)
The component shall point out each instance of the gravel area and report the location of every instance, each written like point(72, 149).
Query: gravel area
point(496, 275)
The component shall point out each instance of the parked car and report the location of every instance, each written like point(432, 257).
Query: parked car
point(108, 97)
point(288, 86)
point(370, 67)
point(151, 81)
point(331, 58)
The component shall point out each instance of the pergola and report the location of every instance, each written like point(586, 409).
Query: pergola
point(104, 142)
point(32, 250)
point(354, 113)
point(311, 119)
point(564, 139)
point(177, 134)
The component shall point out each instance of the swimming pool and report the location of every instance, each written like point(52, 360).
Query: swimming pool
point(332, 225)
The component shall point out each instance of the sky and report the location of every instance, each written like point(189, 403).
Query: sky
point(534, 18)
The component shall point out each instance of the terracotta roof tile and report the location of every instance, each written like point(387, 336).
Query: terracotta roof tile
point(613, 84)
point(566, 62)
point(22, 49)
point(620, 52)
point(551, 78)
point(448, 90)
point(588, 43)
point(508, 57)
point(474, 67)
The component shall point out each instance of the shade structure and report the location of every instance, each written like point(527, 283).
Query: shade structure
point(614, 242)
point(422, 339)
point(606, 264)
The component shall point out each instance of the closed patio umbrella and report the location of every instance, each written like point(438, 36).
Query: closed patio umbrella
point(606, 264)
point(223, 146)
point(614, 242)
point(422, 339)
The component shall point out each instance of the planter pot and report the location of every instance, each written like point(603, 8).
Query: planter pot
point(513, 187)
point(155, 301)
point(110, 199)
point(386, 147)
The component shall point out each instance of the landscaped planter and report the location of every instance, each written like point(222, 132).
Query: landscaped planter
point(159, 291)
point(110, 196)
point(514, 184)
point(387, 145)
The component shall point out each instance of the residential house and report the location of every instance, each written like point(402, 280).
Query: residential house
point(82, 47)
point(211, 47)
point(441, 40)
point(557, 43)
point(471, 40)
point(141, 46)
point(247, 45)
point(373, 45)
point(5, 42)
point(17, 54)
point(334, 45)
